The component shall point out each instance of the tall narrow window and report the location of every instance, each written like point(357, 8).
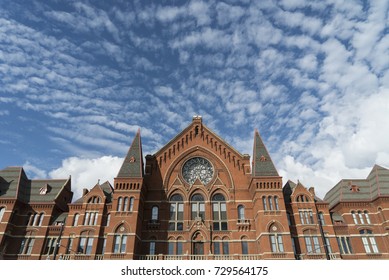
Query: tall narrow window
point(120, 203)
point(276, 242)
point(152, 248)
point(276, 203)
point(344, 244)
point(171, 247)
point(86, 244)
point(120, 240)
point(321, 218)
point(367, 217)
point(241, 216)
point(26, 246)
point(219, 212)
point(69, 246)
point(312, 242)
point(179, 248)
point(75, 220)
point(154, 213)
point(216, 247)
point(270, 198)
point(354, 217)
point(369, 242)
point(361, 217)
point(245, 247)
point(176, 213)
point(226, 248)
point(264, 202)
point(2, 211)
point(197, 207)
point(131, 204)
point(108, 220)
point(126, 203)
point(40, 222)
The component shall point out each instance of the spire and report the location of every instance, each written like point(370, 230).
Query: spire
point(262, 162)
point(132, 166)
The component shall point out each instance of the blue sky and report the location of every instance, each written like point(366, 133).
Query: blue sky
point(78, 78)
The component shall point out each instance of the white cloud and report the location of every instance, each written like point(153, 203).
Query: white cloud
point(85, 173)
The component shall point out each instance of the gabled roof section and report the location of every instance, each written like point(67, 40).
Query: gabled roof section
point(132, 166)
point(262, 162)
point(197, 122)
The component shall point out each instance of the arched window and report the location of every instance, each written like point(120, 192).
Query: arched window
point(176, 213)
point(219, 212)
point(245, 246)
point(2, 211)
point(86, 243)
point(226, 247)
point(275, 238)
point(120, 240)
point(354, 217)
point(126, 202)
point(270, 203)
point(241, 216)
point(108, 220)
point(75, 220)
point(152, 247)
point(197, 206)
point(264, 203)
point(27, 244)
point(131, 204)
point(367, 216)
point(120, 203)
point(276, 203)
point(312, 242)
point(360, 215)
point(321, 218)
point(216, 246)
point(36, 219)
point(369, 242)
point(154, 213)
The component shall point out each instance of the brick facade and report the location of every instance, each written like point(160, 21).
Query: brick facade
point(196, 198)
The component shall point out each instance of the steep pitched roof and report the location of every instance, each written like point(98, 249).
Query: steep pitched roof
point(132, 166)
point(262, 162)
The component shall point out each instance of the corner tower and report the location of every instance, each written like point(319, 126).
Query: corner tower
point(272, 229)
point(126, 212)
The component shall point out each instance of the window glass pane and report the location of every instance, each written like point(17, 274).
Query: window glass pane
point(194, 211)
point(30, 245)
point(270, 203)
point(226, 250)
point(180, 226)
point(2, 211)
point(223, 211)
point(366, 245)
point(245, 249)
point(280, 244)
point(89, 246)
point(216, 248)
point(276, 203)
point(224, 225)
point(120, 202)
point(316, 244)
point(373, 244)
point(264, 203)
point(154, 213)
point(273, 243)
point(349, 245)
point(179, 248)
point(173, 211)
point(81, 248)
point(125, 207)
point(216, 226)
point(124, 243)
point(308, 245)
point(152, 248)
point(116, 244)
point(131, 204)
point(171, 248)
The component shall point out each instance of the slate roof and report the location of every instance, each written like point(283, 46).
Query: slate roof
point(262, 162)
point(15, 184)
point(376, 184)
point(132, 166)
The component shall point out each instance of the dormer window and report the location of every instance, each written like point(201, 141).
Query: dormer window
point(44, 190)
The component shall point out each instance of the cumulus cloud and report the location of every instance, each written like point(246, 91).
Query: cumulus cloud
point(85, 173)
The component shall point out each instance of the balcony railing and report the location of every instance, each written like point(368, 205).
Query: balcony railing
point(200, 257)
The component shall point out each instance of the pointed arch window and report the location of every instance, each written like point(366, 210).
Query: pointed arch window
point(264, 202)
point(219, 212)
point(176, 213)
point(276, 203)
point(120, 240)
point(197, 207)
point(244, 245)
point(126, 203)
point(276, 240)
point(270, 198)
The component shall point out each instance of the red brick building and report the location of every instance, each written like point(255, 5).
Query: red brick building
point(196, 198)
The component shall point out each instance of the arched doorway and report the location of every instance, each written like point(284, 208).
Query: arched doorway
point(197, 244)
